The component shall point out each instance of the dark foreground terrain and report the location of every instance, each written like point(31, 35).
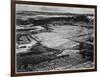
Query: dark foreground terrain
point(59, 64)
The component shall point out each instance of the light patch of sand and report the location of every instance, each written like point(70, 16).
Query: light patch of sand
point(52, 40)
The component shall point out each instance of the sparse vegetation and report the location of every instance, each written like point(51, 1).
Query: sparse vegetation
point(81, 18)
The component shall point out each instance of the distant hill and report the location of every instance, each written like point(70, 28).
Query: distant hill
point(48, 13)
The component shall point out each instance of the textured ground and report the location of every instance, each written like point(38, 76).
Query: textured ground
point(71, 62)
point(66, 38)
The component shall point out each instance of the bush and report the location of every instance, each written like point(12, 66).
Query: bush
point(86, 50)
point(81, 18)
point(22, 22)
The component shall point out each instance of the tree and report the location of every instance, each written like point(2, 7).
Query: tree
point(82, 18)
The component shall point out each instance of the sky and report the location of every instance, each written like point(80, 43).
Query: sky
point(55, 9)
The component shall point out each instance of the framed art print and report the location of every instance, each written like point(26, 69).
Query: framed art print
point(52, 38)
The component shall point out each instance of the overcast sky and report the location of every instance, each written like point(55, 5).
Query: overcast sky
point(57, 9)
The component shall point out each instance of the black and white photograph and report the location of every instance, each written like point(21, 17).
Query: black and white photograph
point(54, 38)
